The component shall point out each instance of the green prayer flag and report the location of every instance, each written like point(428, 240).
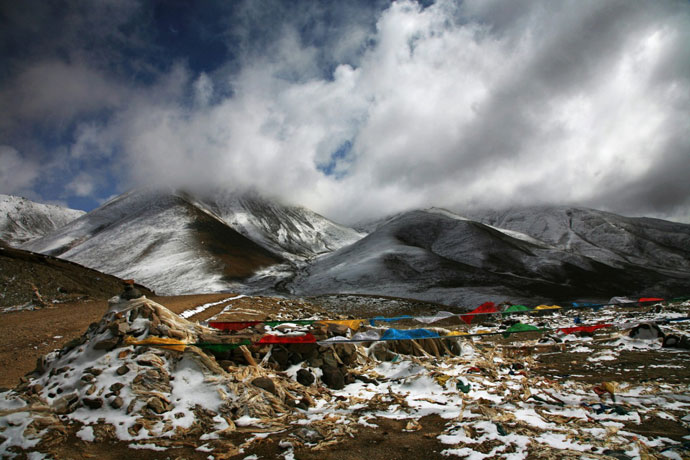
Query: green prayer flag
point(514, 309)
point(520, 327)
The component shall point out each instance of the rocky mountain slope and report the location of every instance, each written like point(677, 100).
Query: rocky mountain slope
point(160, 239)
point(294, 232)
point(607, 237)
point(176, 242)
point(22, 220)
point(442, 257)
point(182, 242)
point(29, 281)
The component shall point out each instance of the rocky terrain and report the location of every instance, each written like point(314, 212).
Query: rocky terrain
point(23, 220)
point(440, 257)
point(175, 243)
point(121, 390)
point(184, 242)
point(29, 281)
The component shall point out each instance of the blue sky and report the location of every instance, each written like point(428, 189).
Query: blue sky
point(355, 109)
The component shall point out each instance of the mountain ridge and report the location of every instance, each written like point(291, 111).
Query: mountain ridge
point(23, 220)
point(178, 241)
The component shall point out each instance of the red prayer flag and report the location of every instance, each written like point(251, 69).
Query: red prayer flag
point(650, 299)
point(487, 307)
point(306, 338)
point(232, 325)
point(590, 329)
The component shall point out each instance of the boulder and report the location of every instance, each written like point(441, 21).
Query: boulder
point(265, 384)
point(157, 405)
point(646, 331)
point(673, 341)
point(116, 402)
point(122, 370)
point(333, 377)
point(107, 344)
point(93, 403)
point(305, 377)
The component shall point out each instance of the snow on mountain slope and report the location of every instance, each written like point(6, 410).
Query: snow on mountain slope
point(161, 240)
point(605, 236)
point(293, 232)
point(22, 220)
point(436, 257)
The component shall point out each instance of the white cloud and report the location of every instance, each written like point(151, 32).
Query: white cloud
point(17, 175)
point(83, 185)
point(472, 104)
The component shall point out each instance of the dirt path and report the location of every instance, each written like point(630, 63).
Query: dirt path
point(26, 335)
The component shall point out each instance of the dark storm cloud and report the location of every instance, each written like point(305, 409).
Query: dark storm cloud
point(355, 108)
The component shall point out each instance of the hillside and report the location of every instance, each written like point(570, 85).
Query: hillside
point(441, 257)
point(182, 242)
point(294, 232)
point(607, 237)
point(23, 274)
point(22, 220)
point(160, 239)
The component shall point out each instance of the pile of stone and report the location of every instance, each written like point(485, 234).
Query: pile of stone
point(122, 381)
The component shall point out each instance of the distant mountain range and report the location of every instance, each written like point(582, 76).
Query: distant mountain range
point(545, 254)
point(22, 220)
point(177, 243)
point(181, 242)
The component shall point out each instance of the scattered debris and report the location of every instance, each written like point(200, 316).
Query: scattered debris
point(127, 378)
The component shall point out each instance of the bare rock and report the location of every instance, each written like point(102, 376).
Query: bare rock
point(122, 370)
point(329, 359)
point(150, 359)
point(303, 404)
point(93, 403)
point(41, 365)
point(305, 377)
point(265, 384)
point(107, 344)
point(157, 405)
point(130, 293)
point(347, 353)
point(116, 402)
point(674, 341)
point(116, 387)
point(337, 330)
point(646, 331)
point(280, 356)
point(119, 329)
point(152, 380)
point(37, 388)
point(333, 377)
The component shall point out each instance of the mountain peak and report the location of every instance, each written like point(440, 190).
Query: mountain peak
point(22, 220)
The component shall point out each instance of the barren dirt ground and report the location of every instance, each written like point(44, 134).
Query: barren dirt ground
point(26, 335)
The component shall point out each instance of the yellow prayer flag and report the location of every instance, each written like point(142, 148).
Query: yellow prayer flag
point(162, 342)
point(547, 307)
point(353, 324)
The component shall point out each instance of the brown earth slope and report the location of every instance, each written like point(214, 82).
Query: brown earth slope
point(27, 335)
point(57, 280)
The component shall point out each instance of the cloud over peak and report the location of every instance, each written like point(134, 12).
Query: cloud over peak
point(381, 108)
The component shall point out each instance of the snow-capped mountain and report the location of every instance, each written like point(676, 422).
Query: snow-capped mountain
point(446, 258)
point(182, 242)
point(176, 242)
point(604, 236)
point(22, 220)
point(160, 239)
point(294, 232)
